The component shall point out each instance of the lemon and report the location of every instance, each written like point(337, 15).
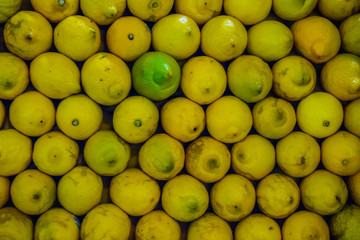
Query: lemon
point(345, 224)
point(151, 226)
point(4, 190)
point(103, 12)
point(340, 76)
point(136, 119)
point(183, 119)
point(134, 192)
point(248, 12)
point(203, 79)
point(316, 38)
point(15, 152)
point(228, 119)
point(79, 190)
point(33, 192)
point(2, 113)
point(14, 77)
point(319, 114)
point(253, 157)
point(293, 10)
point(209, 226)
point(177, 35)
point(150, 10)
point(353, 185)
point(278, 195)
point(294, 78)
point(106, 78)
point(32, 113)
point(200, 10)
point(28, 34)
point(338, 10)
point(249, 78)
point(233, 197)
point(17, 226)
point(305, 224)
point(184, 198)
point(350, 32)
point(55, 75)
point(56, 10)
point(106, 221)
point(128, 37)
point(78, 116)
point(257, 226)
point(77, 37)
point(207, 159)
point(56, 223)
point(323, 192)
point(8, 9)
point(162, 157)
point(352, 117)
point(223, 38)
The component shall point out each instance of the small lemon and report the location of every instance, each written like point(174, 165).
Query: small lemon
point(8, 9)
point(136, 119)
point(249, 78)
point(103, 12)
point(32, 113)
point(55, 75)
point(56, 10)
point(203, 79)
point(337, 10)
point(17, 226)
point(350, 34)
point(150, 10)
point(14, 77)
point(134, 192)
point(253, 157)
point(352, 117)
point(4, 190)
point(223, 38)
point(183, 119)
point(293, 10)
point(353, 184)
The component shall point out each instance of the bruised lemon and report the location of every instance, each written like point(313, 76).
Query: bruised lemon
point(18, 224)
point(56, 10)
point(103, 12)
point(150, 10)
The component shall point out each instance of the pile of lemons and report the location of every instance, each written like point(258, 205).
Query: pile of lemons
point(180, 119)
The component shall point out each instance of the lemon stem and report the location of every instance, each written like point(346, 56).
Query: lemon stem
point(61, 3)
point(137, 123)
point(75, 122)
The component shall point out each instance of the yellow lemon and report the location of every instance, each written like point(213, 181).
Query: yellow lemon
point(353, 184)
point(106, 78)
point(340, 76)
point(223, 38)
point(8, 9)
point(274, 118)
point(28, 34)
point(32, 113)
point(79, 190)
point(278, 195)
point(177, 35)
point(298, 154)
point(293, 10)
point(103, 12)
point(340, 153)
point(2, 113)
point(323, 192)
point(33, 192)
point(162, 157)
point(56, 223)
point(207, 159)
point(136, 119)
point(106, 221)
point(15, 152)
point(184, 198)
point(134, 192)
point(128, 37)
point(249, 78)
point(4, 190)
point(294, 78)
point(14, 77)
point(151, 226)
point(270, 40)
point(248, 12)
point(257, 226)
point(183, 119)
point(305, 224)
point(352, 117)
point(17, 226)
point(55, 154)
point(228, 119)
point(78, 116)
point(337, 10)
point(56, 10)
point(209, 226)
point(200, 10)
point(350, 34)
point(55, 75)
point(319, 114)
point(203, 79)
point(316, 38)
point(150, 10)
point(233, 197)
point(77, 37)
point(253, 157)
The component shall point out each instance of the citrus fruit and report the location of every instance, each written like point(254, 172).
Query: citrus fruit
point(338, 10)
point(17, 226)
point(150, 10)
point(4, 190)
point(2, 113)
point(8, 9)
point(103, 12)
point(352, 117)
point(293, 10)
point(56, 10)
point(345, 224)
point(350, 32)
point(353, 185)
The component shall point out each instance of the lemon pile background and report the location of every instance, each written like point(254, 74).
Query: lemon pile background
point(254, 134)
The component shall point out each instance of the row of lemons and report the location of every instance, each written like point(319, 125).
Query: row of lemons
point(180, 119)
